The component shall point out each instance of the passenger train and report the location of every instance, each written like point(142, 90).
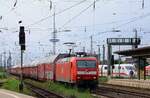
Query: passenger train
point(122, 70)
point(63, 68)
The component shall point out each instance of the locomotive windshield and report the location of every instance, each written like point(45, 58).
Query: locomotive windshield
point(130, 68)
point(86, 64)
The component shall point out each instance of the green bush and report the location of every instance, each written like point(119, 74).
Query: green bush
point(3, 75)
point(13, 85)
point(103, 79)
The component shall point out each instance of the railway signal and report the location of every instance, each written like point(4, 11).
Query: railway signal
point(22, 46)
point(22, 38)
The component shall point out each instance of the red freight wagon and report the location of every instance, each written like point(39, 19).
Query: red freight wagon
point(46, 68)
point(15, 70)
point(29, 72)
point(18, 71)
point(41, 69)
point(34, 72)
point(26, 71)
point(48, 71)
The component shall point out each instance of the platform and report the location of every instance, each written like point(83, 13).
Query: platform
point(131, 83)
point(10, 94)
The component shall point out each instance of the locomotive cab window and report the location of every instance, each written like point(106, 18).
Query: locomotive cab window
point(86, 64)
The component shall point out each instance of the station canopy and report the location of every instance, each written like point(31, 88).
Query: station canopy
point(143, 52)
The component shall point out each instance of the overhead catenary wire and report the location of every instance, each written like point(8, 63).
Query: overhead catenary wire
point(129, 21)
point(107, 23)
point(57, 13)
point(69, 8)
point(134, 19)
point(113, 22)
point(70, 20)
point(12, 9)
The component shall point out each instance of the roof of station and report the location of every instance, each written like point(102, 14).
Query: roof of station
point(138, 52)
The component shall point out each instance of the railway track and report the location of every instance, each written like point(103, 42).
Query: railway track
point(118, 92)
point(42, 93)
point(2, 82)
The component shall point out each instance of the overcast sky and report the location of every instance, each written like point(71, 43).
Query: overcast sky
point(79, 16)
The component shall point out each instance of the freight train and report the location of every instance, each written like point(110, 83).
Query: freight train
point(63, 68)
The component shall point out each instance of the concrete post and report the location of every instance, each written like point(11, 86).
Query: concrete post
point(109, 59)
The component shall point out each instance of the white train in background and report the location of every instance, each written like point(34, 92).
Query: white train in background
point(122, 70)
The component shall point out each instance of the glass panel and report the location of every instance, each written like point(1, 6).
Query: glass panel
point(86, 64)
point(130, 68)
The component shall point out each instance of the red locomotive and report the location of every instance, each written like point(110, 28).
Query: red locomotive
point(63, 68)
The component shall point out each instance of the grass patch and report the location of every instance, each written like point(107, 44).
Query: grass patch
point(1, 69)
point(3, 75)
point(103, 79)
point(147, 77)
point(13, 85)
point(68, 91)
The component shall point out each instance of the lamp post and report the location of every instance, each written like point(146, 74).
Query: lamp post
point(119, 60)
point(99, 54)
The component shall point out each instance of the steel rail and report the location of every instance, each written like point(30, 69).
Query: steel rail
point(43, 93)
point(112, 92)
